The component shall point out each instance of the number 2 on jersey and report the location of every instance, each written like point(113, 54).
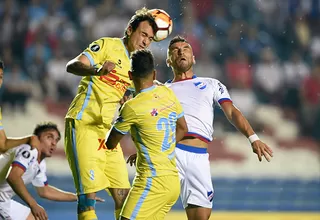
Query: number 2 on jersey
point(168, 125)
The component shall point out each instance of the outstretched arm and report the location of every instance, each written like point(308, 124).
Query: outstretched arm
point(55, 194)
point(241, 123)
point(8, 143)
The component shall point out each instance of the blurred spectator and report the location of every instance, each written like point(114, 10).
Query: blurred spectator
point(310, 98)
point(17, 89)
point(239, 71)
point(269, 78)
point(296, 70)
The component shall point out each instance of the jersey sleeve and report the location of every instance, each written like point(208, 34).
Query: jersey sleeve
point(1, 126)
point(127, 117)
point(96, 51)
point(41, 179)
point(220, 93)
point(24, 156)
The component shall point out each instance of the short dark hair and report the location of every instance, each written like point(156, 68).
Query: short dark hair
point(45, 126)
point(1, 64)
point(141, 15)
point(142, 63)
point(177, 39)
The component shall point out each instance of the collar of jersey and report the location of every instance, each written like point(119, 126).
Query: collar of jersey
point(127, 52)
point(193, 77)
point(148, 89)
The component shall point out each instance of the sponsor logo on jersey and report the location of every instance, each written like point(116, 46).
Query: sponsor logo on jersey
point(115, 81)
point(221, 89)
point(200, 85)
point(154, 112)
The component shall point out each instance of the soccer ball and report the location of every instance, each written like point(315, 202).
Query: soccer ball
point(164, 23)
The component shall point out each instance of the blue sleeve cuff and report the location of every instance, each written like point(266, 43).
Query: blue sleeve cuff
point(180, 115)
point(89, 57)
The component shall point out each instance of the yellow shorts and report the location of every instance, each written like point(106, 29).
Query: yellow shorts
point(93, 166)
point(151, 198)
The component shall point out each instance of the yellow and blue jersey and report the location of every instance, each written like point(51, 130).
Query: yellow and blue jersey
point(98, 96)
point(151, 118)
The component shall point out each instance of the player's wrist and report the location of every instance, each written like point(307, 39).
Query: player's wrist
point(253, 138)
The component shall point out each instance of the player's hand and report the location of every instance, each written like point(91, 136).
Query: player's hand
point(106, 68)
point(34, 142)
point(98, 199)
point(38, 212)
point(262, 150)
point(132, 159)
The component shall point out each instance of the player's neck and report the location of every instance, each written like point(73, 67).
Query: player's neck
point(142, 85)
point(179, 76)
point(40, 157)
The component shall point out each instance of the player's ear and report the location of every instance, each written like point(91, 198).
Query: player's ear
point(194, 59)
point(168, 62)
point(129, 30)
point(154, 74)
point(130, 75)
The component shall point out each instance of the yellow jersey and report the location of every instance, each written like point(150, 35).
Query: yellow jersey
point(151, 118)
point(98, 96)
point(1, 126)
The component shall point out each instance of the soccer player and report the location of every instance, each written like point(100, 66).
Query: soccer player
point(8, 143)
point(23, 165)
point(104, 66)
point(198, 97)
point(155, 118)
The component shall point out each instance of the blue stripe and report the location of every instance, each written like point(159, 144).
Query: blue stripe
point(172, 155)
point(122, 132)
point(144, 151)
point(224, 99)
point(141, 199)
point(127, 52)
point(180, 115)
point(191, 149)
point(86, 101)
point(74, 149)
point(148, 89)
point(19, 164)
point(89, 57)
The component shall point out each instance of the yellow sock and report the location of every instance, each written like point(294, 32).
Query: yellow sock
point(117, 214)
point(88, 215)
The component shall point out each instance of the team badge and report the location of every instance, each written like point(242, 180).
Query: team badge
point(200, 85)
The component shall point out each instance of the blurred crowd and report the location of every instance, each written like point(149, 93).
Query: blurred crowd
point(265, 51)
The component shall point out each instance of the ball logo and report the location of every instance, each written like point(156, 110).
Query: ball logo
point(95, 48)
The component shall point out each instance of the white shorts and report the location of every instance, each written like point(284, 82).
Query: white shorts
point(195, 176)
point(12, 210)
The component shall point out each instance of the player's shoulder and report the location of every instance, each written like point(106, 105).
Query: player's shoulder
point(104, 42)
point(25, 151)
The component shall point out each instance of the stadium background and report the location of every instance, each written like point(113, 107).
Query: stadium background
point(266, 51)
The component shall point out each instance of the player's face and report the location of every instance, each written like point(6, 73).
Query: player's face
point(180, 57)
point(49, 140)
point(141, 38)
point(1, 77)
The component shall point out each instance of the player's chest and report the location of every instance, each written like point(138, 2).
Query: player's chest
point(32, 171)
point(193, 92)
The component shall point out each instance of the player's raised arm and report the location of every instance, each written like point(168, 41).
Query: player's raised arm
point(241, 123)
point(8, 143)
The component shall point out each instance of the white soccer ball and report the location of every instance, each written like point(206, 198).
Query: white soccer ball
point(164, 23)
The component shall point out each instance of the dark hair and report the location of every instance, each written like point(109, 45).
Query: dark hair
point(40, 128)
point(142, 63)
point(177, 39)
point(141, 15)
point(1, 64)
